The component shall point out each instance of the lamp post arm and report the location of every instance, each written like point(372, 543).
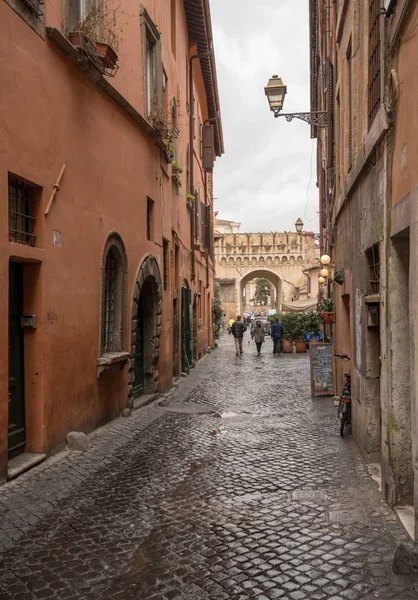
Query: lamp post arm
point(318, 119)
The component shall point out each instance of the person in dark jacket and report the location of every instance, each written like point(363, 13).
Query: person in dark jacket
point(238, 328)
point(276, 333)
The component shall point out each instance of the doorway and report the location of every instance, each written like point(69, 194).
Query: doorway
point(16, 425)
point(186, 351)
point(145, 356)
point(175, 339)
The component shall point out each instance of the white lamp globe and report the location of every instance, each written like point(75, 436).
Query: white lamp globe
point(325, 259)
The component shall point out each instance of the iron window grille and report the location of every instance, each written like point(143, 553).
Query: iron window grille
point(374, 266)
point(21, 210)
point(374, 60)
point(109, 299)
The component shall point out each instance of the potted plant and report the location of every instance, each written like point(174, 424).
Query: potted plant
point(299, 332)
point(288, 323)
point(103, 52)
point(326, 310)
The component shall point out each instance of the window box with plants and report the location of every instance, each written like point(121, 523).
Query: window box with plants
point(101, 48)
point(326, 310)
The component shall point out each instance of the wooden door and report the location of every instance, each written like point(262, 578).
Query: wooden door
point(17, 435)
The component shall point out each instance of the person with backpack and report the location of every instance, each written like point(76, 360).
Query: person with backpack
point(238, 329)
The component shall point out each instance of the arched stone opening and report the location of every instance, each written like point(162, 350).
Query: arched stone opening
point(264, 273)
point(146, 330)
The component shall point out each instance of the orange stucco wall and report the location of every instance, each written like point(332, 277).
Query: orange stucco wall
point(405, 158)
point(56, 116)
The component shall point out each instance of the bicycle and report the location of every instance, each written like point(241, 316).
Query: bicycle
point(344, 405)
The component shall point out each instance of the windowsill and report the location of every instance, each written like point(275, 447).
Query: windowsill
point(110, 359)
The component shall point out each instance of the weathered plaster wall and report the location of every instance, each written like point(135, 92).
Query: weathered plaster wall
point(360, 226)
point(56, 116)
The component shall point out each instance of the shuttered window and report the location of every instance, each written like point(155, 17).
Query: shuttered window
point(350, 106)
point(374, 60)
point(196, 215)
point(205, 225)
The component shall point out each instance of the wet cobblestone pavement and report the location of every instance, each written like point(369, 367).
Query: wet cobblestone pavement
point(171, 503)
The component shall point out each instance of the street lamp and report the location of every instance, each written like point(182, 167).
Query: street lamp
point(275, 91)
point(321, 279)
point(299, 225)
point(325, 259)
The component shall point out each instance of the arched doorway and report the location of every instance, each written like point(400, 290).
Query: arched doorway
point(265, 274)
point(146, 330)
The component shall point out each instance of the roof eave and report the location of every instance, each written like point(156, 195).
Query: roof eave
point(200, 29)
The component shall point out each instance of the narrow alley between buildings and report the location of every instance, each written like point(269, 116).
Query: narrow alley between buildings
point(178, 501)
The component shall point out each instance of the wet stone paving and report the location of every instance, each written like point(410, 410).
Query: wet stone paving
point(176, 501)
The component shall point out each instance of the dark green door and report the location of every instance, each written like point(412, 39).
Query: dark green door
point(138, 387)
point(186, 351)
point(16, 368)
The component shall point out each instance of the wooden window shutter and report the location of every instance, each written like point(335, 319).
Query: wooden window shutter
point(202, 222)
point(196, 214)
point(208, 138)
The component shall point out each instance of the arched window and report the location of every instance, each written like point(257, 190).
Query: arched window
point(114, 279)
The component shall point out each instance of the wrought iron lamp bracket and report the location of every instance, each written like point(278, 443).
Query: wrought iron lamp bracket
point(318, 119)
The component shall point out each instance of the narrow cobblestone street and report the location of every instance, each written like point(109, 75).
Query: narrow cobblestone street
point(177, 503)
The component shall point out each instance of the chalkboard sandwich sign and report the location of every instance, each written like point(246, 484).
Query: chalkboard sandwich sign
point(322, 369)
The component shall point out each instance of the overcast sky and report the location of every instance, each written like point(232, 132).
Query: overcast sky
point(263, 177)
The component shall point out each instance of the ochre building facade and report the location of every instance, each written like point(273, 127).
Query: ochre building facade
point(281, 258)
point(106, 265)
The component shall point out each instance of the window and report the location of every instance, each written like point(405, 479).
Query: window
point(114, 279)
point(374, 60)
point(205, 224)
point(165, 264)
point(21, 212)
point(109, 299)
point(350, 106)
point(196, 214)
point(31, 11)
point(372, 255)
point(150, 210)
point(152, 65)
point(79, 10)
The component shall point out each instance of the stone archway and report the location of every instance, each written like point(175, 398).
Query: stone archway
point(145, 330)
point(267, 274)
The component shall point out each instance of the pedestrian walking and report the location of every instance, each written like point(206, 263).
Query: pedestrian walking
point(276, 333)
point(238, 328)
point(258, 336)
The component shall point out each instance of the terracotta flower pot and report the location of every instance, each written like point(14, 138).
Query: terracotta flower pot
point(300, 346)
point(81, 41)
point(106, 55)
point(287, 346)
point(328, 317)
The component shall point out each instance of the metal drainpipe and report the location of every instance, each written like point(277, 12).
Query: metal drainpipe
point(191, 152)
